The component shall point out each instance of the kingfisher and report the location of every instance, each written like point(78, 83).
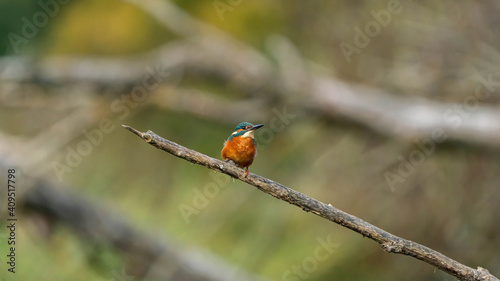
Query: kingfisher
point(241, 147)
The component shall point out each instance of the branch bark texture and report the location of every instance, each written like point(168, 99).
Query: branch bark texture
point(389, 242)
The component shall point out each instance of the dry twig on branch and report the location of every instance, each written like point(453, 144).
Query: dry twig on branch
point(389, 242)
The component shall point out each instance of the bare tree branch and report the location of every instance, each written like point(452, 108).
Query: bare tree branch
point(407, 118)
point(389, 242)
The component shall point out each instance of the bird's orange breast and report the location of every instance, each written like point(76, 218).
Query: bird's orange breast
point(241, 150)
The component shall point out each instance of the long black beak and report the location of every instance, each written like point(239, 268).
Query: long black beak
point(255, 127)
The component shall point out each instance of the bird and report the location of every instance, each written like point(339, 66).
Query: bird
point(241, 146)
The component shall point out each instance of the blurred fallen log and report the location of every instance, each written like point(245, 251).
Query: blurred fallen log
point(392, 115)
point(148, 257)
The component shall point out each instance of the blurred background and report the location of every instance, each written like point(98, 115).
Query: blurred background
point(388, 110)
